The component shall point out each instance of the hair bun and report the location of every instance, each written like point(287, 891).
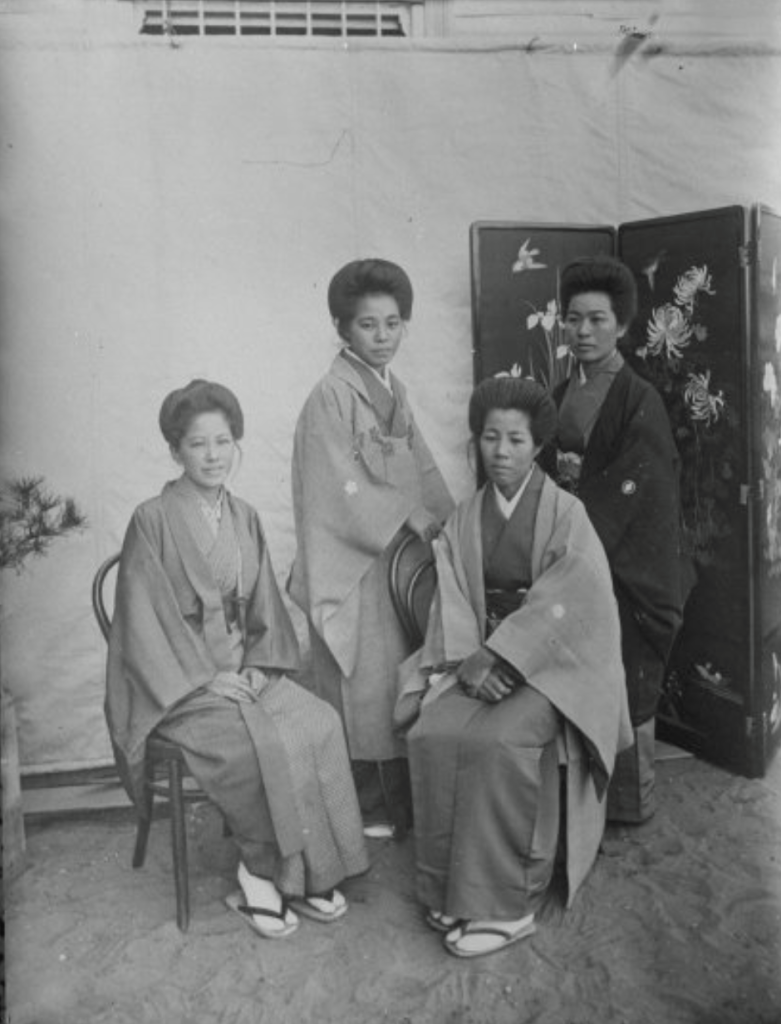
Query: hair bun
point(368, 277)
point(181, 406)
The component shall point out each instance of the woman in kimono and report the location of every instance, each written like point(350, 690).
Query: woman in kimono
point(362, 476)
point(200, 653)
point(520, 672)
point(616, 452)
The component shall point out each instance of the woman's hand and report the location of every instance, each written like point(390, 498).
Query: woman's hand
point(233, 687)
point(259, 678)
point(423, 524)
point(495, 688)
point(473, 671)
point(482, 675)
point(256, 677)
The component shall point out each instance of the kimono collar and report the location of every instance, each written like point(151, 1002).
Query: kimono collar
point(342, 368)
point(471, 547)
point(383, 378)
point(610, 367)
point(508, 505)
point(212, 511)
point(197, 570)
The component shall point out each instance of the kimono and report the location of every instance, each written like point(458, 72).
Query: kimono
point(485, 777)
point(191, 603)
point(628, 480)
point(360, 467)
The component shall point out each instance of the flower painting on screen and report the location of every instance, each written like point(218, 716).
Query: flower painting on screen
point(770, 454)
point(547, 356)
point(675, 357)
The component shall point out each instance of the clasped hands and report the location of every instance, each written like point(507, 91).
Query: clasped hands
point(486, 676)
point(241, 687)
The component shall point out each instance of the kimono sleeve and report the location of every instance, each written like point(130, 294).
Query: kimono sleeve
point(638, 482)
point(346, 516)
point(436, 495)
point(565, 639)
point(341, 497)
point(633, 503)
point(153, 658)
point(271, 638)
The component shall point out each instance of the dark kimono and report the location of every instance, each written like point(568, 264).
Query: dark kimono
point(629, 485)
point(617, 430)
point(276, 768)
point(536, 591)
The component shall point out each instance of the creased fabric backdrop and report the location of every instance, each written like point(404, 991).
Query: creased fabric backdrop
point(177, 212)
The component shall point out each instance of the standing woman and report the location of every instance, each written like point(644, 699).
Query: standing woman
point(200, 653)
point(362, 475)
point(616, 452)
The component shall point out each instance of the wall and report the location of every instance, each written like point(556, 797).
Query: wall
point(547, 21)
point(178, 211)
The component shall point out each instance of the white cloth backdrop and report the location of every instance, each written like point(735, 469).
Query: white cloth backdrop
point(177, 212)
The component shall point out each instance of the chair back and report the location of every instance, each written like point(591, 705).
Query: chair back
point(99, 597)
point(412, 579)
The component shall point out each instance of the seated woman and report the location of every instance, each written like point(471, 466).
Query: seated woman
point(520, 672)
point(200, 651)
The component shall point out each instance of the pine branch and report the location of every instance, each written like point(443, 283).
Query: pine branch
point(31, 518)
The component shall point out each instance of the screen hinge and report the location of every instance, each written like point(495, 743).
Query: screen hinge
point(749, 493)
point(747, 254)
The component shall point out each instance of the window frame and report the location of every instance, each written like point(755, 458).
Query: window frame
point(284, 21)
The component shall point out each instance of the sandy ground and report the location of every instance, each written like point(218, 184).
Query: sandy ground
point(679, 923)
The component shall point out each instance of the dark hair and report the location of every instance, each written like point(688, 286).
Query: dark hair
point(519, 393)
point(367, 277)
point(181, 407)
point(601, 274)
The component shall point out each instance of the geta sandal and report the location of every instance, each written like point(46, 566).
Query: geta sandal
point(441, 922)
point(506, 937)
point(236, 901)
point(307, 907)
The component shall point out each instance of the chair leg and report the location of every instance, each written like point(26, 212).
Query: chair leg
point(142, 832)
point(179, 845)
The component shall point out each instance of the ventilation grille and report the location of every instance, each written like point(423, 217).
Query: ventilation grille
point(334, 18)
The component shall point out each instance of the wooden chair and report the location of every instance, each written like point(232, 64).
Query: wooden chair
point(164, 774)
point(412, 580)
